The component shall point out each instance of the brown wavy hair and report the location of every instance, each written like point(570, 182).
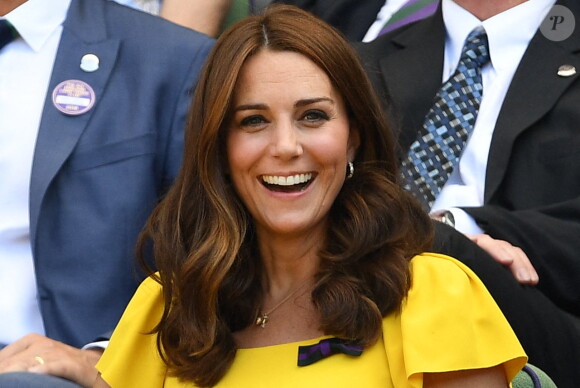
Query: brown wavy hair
point(203, 239)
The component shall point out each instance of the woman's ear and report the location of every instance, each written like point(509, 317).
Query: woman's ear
point(353, 143)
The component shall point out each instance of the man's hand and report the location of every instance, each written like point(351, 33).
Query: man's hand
point(508, 255)
point(37, 354)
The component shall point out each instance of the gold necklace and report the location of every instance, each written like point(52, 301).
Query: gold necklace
point(263, 318)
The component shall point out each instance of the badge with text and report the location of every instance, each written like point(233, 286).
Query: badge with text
point(73, 97)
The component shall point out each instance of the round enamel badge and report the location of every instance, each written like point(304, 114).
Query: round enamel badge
point(73, 97)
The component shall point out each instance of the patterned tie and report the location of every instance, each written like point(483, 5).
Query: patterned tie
point(411, 11)
point(448, 124)
point(7, 33)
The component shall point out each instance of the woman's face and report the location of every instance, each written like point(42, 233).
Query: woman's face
point(288, 143)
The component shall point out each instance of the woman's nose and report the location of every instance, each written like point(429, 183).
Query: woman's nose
point(286, 141)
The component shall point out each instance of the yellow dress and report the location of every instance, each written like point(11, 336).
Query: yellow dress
point(448, 322)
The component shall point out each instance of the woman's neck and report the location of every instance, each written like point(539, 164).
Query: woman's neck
point(289, 261)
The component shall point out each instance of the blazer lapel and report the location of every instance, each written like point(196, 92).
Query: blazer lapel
point(535, 89)
point(83, 33)
point(405, 70)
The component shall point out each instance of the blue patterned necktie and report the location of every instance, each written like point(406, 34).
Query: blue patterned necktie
point(448, 124)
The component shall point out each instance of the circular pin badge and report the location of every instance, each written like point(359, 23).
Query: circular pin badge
point(89, 63)
point(73, 97)
point(566, 71)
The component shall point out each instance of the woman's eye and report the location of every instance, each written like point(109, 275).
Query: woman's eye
point(253, 121)
point(315, 115)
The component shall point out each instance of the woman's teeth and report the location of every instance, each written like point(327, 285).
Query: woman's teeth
point(288, 180)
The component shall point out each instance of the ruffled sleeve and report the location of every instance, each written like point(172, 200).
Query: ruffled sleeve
point(132, 359)
point(448, 322)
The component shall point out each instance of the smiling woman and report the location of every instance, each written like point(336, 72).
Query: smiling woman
point(282, 265)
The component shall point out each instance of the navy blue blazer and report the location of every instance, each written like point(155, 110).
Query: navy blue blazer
point(96, 176)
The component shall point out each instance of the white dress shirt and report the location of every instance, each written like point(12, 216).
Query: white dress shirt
point(509, 34)
point(25, 69)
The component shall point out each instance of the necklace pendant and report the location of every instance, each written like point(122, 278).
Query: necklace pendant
point(262, 320)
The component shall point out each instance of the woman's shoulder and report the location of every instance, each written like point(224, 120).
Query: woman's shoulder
point(439, 280)
point(149, 287)
point(432, 267)
point(133, 340)
point(147, 301)
point(449, 307)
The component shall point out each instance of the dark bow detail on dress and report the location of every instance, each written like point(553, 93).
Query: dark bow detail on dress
point(310, 354)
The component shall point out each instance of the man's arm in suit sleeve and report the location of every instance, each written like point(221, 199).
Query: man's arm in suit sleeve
point(550, 236)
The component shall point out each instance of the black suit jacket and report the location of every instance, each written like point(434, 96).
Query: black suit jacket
point(352, 17)
point(532, 188)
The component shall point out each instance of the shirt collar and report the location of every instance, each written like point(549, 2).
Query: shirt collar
point(37, 20)
point(505, 41)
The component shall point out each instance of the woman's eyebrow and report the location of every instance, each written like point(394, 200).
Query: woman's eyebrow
point(309, 101)
point(299, 103)
point(250, 107)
